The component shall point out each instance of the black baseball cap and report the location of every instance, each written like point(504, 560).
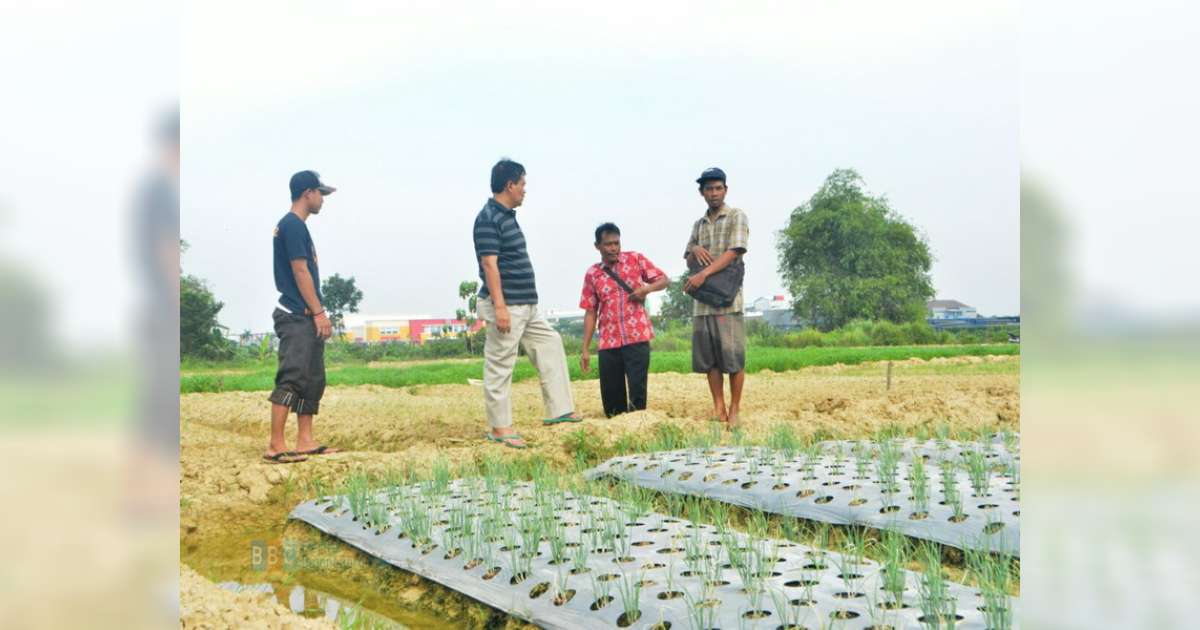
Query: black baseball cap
point(711, 173)
point(304, 180)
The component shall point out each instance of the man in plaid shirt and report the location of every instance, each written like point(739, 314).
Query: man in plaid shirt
point(614, 294)
point(718, 238)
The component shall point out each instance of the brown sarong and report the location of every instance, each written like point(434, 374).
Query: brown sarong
point(718, 343)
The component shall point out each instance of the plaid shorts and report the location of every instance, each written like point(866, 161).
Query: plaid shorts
point(718, 342)
point(300, 379)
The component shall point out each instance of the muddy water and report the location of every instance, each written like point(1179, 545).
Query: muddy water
point(316, 576)
point(315, 604)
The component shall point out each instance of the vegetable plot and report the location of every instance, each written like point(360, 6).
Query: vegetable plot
point(969, 500)
point(564, 559)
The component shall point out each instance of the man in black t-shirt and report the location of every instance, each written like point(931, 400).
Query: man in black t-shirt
point(300, 322)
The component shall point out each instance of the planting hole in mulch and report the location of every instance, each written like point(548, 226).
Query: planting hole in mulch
point(624, 559)
point(756, 614)
point(602, 602)
point(992, 528)
point(888, 509)
point(801, 583)
point(662, 625)
point(670, 595)
point(958, 519)
point(845, 595)
point(918, 516)
point(892, 605)
point(650, 566)
point(518, 578)
point(843, 614)
point(491, 573)
point(646, 583)
point(539, 590)
point(946, 620)
point(804, 494)
point(857, 502)
point(825, 499)
point(563, 598)
point(626, 619)
point(749, 484)
point(781, 486)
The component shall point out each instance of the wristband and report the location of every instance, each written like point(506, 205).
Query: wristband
point(320, 314)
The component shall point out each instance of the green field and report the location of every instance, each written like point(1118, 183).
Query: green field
point(261, 378)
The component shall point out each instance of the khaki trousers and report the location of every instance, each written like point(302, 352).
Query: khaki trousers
point(544, 347)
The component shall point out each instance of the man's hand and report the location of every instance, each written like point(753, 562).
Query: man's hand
point(324, 326)
point(695, 282)
point(702, 256)
point(639, 294)
point(585, 361)
point(503, 320)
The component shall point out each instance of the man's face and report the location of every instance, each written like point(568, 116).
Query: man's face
point(516, 191)
point(609, 247)
point(314, 199)
point(714, 191)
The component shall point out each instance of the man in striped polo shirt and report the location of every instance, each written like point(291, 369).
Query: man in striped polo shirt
point(508, 304)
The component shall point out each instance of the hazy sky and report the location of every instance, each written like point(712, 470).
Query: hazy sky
point(614, 112)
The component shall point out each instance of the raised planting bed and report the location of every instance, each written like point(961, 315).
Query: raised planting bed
point(563, 559)
point(968, 500)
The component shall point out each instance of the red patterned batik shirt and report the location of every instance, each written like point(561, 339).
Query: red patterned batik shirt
point(621, 321)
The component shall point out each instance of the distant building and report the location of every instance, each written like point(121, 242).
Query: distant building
point(775, 311)
point(406, 329)
point(950, 309)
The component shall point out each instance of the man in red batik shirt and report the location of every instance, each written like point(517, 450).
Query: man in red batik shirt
point(614, 292)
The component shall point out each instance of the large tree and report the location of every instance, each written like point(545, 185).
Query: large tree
point(676, 305)
point(340, 297)
point(200, 334)
point(846, 254)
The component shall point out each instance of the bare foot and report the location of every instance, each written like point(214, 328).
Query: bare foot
point(732, 418)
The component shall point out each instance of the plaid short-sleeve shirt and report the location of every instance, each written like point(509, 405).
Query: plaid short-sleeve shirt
point(621, 321)
point(729, 230)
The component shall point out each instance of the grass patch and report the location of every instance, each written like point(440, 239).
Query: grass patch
point(219, 378)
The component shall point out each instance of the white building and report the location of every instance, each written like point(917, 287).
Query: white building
point(950, 309)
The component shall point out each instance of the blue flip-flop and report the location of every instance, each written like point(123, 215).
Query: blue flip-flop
point(506, 440)
point(563, 418)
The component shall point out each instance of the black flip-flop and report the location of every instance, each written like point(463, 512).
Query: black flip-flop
point(320, 450)
point(284, 457)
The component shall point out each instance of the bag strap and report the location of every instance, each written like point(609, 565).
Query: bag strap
point(614, 276)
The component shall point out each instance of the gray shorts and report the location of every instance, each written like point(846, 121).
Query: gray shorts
point(300, 379)
point(718, 342)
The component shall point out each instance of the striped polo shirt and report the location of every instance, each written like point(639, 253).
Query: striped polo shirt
point(498, 234)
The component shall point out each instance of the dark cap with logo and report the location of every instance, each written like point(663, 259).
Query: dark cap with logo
point(305, 180)
point(711, 173)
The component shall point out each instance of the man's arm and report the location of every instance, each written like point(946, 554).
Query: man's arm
point(491, 275)
point(737, 247)
point(694, 249)
point(640, 293)
point(308, 291)
point(589, 327)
